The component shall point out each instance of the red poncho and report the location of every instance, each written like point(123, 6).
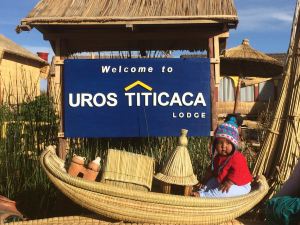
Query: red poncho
point(233, 167)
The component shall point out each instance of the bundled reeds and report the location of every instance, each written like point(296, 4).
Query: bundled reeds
point(119, 10)
point(280, 150)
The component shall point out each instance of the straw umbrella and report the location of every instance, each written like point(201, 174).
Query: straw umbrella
point(245, 61)
point(280, 150)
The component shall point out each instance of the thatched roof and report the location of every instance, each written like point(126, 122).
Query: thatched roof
point(246, 61)
point(280, 57)
point(245, 51)
point(131, 11)
point(8, 46)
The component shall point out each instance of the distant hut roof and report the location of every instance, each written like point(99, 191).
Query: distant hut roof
point(131, 11)
point(8, 46)
point(281, 57)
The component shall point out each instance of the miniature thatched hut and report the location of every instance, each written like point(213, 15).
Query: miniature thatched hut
point(20, 72)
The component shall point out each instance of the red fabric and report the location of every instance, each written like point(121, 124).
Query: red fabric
point(236, 169)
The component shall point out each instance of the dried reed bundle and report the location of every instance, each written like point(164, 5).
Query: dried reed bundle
point(280, 149)
point(128, 170)
point(112, 10)
point(141, 207)
point(78, 220)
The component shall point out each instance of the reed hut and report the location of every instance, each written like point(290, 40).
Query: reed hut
point(133, 25)
point(250, 80)
point(20, 73)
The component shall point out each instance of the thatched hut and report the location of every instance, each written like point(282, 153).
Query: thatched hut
point(20, 72)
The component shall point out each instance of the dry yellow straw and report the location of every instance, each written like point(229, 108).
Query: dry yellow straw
point(280, 150)
point(147, 207)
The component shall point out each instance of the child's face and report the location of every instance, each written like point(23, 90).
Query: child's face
point(223, 146)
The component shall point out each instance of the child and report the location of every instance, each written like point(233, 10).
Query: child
point(229, 175)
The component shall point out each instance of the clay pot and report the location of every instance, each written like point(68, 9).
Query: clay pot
point(93, 169)
point(76, 166)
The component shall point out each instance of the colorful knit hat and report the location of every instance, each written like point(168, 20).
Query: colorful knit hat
point(229, 130)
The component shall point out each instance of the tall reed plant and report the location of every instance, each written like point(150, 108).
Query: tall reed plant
point(25, 129)
point(159, 148)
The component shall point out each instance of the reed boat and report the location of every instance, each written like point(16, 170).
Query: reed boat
point(147, 207)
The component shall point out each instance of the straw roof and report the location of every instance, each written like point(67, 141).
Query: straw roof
point(280, 57)
point(178, 169)
point(122, 11)
point(8, 46)
point(246, 61)
point(245, 51)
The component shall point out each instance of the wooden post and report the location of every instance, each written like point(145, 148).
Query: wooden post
point(211, 54)
point(256, 93)
point(188, 190)
point(237, 96)
point(166, 188)
point(62, 147)
point(217, 93)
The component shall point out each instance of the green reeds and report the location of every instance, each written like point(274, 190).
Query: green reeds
point(159, 148)
point(25, 130)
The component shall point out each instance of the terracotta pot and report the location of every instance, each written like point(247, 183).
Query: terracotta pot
point(76, 166)
point(95, 165)
point(92, 170)
point(90, 175)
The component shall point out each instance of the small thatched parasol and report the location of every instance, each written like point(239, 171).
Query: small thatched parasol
point(178, 169)
point(245, 61)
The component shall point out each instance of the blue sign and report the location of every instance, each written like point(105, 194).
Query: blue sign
point(136, 97)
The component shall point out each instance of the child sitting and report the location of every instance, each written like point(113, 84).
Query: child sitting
point(229, 174)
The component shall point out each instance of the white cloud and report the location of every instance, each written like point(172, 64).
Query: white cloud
point(264, 19)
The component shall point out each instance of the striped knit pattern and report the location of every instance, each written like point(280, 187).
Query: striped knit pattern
point(229, 131)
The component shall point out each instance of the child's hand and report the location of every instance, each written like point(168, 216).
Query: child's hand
point(195, 194)
point(198, 186)
point(225, 186)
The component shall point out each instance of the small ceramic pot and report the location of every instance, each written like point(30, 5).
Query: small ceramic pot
point(76, 166)
point(92, 170)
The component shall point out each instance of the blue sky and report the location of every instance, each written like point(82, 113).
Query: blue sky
point(267, 23)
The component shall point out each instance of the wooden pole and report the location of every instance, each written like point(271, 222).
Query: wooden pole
point(62, 146)
point(256, 93)
point(211, 55)
point(237, 96)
